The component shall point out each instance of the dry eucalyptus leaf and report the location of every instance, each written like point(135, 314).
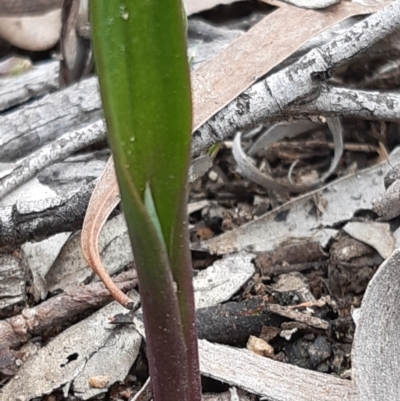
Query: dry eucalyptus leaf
point(276, 381)
point(299, 220)
point(70, 268)
point(376, 346)
point(103, 201)
point(223, 279)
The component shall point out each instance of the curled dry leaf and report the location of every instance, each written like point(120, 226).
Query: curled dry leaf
point(247, 168)
point(279, 131)
point(77, 59)
point(104, 199)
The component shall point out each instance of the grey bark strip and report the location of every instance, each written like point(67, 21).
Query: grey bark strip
point(334, 101)
point(274, 380)
point(50, 154)
point(46, 119)
point(40, 80)
point(33, 221)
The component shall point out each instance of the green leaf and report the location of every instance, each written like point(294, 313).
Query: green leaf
point(144, 55)
point(151, 210)
point(140, 54)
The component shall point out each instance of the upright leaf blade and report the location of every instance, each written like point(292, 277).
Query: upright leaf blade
point(152, 211)
point(140, 55)
point(157, 106)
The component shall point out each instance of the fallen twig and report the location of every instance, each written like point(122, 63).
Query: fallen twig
point(34, 321)
point(33, 221)
point(301, 81)
point(38, 81)
point(47, 155)
point(298, 316)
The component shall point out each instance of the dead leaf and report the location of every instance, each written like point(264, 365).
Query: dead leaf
point(375, 352)
point(104, 199)
point(293, 221)
point(76, 60)
point(247, 168)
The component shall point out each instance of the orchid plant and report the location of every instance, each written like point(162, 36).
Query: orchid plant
point(140, 56)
